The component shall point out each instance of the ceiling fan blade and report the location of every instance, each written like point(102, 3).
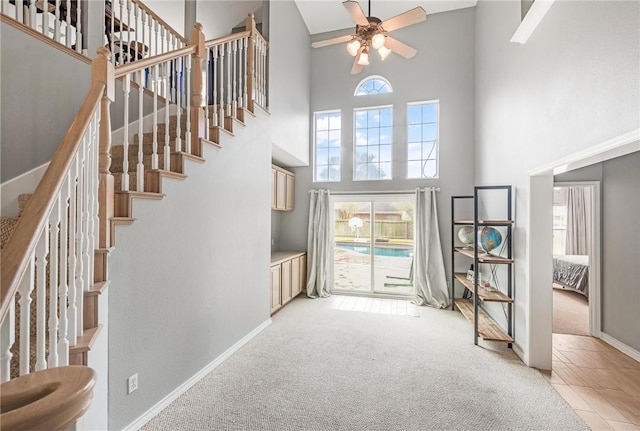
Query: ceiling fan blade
point(356, 68)
point(410, 17)
point(354, 9)
point(400, 48)
point(339, 39)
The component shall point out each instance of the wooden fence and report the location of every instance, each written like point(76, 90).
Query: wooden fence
point(383, 229)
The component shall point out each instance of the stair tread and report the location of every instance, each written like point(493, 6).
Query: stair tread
point(86, 340)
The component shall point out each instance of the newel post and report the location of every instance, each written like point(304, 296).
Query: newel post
point(198, 101)
point(102, 71)
point(250, 25)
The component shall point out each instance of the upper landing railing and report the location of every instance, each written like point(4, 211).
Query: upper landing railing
point(130, 29)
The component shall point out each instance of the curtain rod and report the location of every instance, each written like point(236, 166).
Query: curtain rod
point(390, 192)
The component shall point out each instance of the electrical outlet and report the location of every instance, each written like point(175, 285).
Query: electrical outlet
point(132, 383)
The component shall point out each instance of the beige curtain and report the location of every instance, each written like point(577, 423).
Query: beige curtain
point(429, 276)
point(577, 239)
point(319, 245)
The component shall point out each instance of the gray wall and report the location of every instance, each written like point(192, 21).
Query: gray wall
point(443, 69)
point(573, 85)
point(190, 277)
point(219, 17)
point(35, 113)
point(620, 237)
point(289, 84)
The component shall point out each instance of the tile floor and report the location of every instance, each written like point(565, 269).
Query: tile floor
point(599, 382)
point(397, 307)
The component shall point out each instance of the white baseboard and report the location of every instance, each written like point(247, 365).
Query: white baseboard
point(25, 183)
point(153, 411)
point(520, 354)
point(627, 350)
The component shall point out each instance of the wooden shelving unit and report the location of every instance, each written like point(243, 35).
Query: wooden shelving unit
point(472, 309)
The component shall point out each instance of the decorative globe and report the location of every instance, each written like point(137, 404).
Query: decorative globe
point(465, 235)
point(489, 238)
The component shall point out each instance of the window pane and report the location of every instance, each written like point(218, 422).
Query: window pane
point(372, 154)
point(422, 140)
point(415, 133)
point(385, 153)
point(374, 137)
point(414, 151)
point(334, 122)
point(386, 135)
point(361, 119)
point(373, 85)
point(361, 154)
point(385, 171)
point(413, 169)
point(429, 132)
point(361, 137)
point(414, 114)
point(373, 118)
point(430, 113)
point(385, 118)
point(327, 142)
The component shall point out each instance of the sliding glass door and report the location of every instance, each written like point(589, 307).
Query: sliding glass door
point(384, 224)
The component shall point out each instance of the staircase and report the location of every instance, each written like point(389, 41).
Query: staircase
point(127, 171)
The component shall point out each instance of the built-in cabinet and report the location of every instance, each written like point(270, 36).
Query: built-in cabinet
point(288, 277)
point(494, 263)
point(282, 189)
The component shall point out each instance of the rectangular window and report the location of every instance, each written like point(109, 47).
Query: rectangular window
point(422, 139)
point(328, 146)
point(373, 134)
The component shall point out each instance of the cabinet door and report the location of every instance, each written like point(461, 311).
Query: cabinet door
point(289, 201)
point(281, 190)
point(303, 272)
point(276, 299)
point(285, 281)
point(273, 189)
point(295, 276)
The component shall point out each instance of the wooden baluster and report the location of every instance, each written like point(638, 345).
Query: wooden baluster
point(154, 153)
point(54, 230)
point(126, 89)
point(155, 29)
point(56, 24)
point(167, 107)
point(7, 338)
point(188, 105)
point(121, 54)
point(214, 84)
point(78, 27)
point(41, 302)
point(67, 27)
point(168, 40)
point(32, 14)
point(245, 42)
point(63, 341)
point(26, 288)
point(136, 27)
point(112, 41)
point(250, 25)
point(197, 113)
point(128, 33)
point(72, 311)
point(227, 111)
point(140, 165)
point(80, 238)
point(221, 87)
point(20, 11)
point(102, 70)
point(143, 19)
point(234, 96)
point(179, 95)
point(207, 91)
point(45, 18)
point(95, 220)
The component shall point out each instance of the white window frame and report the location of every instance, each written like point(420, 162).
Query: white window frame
point(355, 146)
point(437, 144)
point(314, 155)
point(370, 78)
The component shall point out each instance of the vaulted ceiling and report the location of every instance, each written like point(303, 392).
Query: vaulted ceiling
point(327, 15)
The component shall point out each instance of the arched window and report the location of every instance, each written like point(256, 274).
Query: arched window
point(373, 85)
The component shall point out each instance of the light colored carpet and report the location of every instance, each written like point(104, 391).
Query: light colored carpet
point(570, 312)
point(318, 368)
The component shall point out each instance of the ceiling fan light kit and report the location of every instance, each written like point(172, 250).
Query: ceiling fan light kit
point(372, 33)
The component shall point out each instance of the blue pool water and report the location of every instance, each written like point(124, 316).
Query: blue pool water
point(379, 251)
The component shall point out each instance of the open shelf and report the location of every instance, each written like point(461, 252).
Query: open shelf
point(495, 296)
point(482, 256)
point(484, 222)
point(487, 328)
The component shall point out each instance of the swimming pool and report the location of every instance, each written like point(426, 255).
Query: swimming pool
point(379, 251)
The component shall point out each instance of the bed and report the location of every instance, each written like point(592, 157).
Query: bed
point(572, 272)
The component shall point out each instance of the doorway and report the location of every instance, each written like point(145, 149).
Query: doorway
point(576, 262)
point(384, 224)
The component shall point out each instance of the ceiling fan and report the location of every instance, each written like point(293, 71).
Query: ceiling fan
point(372, 33)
